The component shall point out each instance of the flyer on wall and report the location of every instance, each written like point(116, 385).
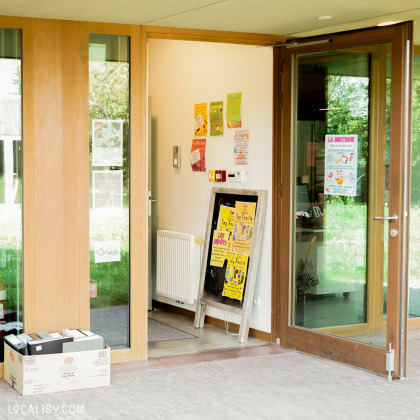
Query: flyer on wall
point(219, 248)
point(241, 146)
point(198, 155)
point(107, 251)
point(243, 227)
point(235, 276)
point(200, 120)
point(107, 189)
point(341, 165)
point(216, 118)
point(233, 110)
point(107, 142)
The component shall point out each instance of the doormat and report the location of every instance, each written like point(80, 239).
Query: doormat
point(156, 331)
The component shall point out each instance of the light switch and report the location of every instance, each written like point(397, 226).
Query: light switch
point(176, 160)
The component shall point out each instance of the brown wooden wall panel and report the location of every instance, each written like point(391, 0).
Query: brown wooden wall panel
point(55, 51)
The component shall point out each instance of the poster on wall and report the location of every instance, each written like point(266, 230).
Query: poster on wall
point(107, 189)
point(216, 118)
point(241, 144)
point(243, 228)
point(200, 120)
point(341, 165)
point(233, 110)
point(107, 251)
point(107, 142)
point(235, 276)
point(219, 248)
point(198, 155)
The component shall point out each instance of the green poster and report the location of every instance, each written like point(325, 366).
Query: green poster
point(233, 110)
point(216, 118)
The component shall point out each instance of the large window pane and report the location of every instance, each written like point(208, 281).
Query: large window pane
point(414, 285)
point(11, 277)
point(109, 82)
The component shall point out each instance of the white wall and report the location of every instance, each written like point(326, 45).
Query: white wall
point(181, 74)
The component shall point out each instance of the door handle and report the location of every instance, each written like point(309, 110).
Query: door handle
point(392, 218)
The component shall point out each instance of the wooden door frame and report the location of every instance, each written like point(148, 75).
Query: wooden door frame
point(340, 349)
point(138, 176)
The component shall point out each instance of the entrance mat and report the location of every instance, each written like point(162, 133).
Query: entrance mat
point(156, 331)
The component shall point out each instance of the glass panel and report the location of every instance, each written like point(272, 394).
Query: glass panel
point(11, 276)
point(340, 154)
point(414, 280)
point(109, 82)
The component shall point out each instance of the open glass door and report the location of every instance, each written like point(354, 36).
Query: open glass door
point(345, 116)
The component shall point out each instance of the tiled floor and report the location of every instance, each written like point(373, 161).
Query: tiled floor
point(209, 337)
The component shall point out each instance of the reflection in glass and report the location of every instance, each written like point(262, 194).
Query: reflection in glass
point(11, 276)
point(414, 280)
point(109, 81)
point(333, 182)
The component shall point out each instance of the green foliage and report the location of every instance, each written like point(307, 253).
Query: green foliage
point(415, 176)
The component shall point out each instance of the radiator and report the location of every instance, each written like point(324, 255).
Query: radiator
point(178, 264)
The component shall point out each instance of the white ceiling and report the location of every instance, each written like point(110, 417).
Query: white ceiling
point(279, 17)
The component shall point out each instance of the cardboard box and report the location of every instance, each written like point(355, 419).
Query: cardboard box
point(42, 374)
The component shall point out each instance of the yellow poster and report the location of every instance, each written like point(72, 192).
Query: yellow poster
point(243, 227)
point(235, 276)
point(200, 120)
point(219, 248)
point(226, 216)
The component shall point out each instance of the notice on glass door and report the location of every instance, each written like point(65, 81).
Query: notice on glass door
point(107, 189)
point(107, 142)
point(341, 165)
point(107, 251)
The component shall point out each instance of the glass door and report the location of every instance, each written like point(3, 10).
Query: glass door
point(109, 112)
point(346, 277)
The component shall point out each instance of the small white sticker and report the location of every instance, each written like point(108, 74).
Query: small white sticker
point(38, 348)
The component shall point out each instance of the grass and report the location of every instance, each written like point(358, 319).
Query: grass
point(345, 242)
